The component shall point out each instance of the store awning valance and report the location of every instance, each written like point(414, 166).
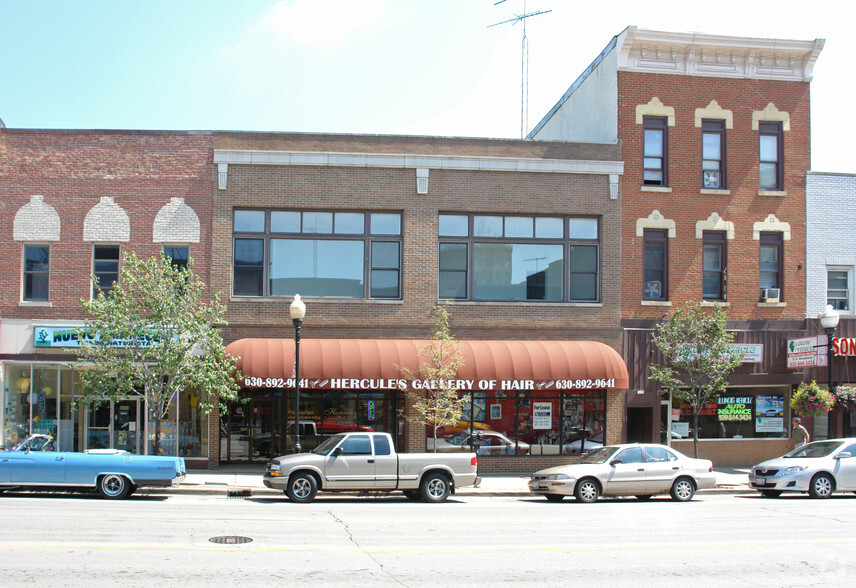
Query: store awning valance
point(366, 364)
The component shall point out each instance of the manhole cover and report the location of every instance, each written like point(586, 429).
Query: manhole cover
point(230, 540)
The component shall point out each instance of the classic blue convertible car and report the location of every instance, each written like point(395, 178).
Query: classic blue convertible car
point(114, 473)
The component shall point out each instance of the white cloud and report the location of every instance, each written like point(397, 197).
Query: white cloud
point(322, 21)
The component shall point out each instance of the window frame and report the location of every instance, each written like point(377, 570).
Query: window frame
point(469, 242)
point(848, 288)
point(96, 286)
point(717, 238)
point(656, 123)
point(713, 127)
point(181, 263)
point(655, 236)
point(773, 239)
point(28, 275)
point(266, 234)
point(774, 129)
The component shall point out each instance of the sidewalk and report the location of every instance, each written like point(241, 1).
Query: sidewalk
point(244, 480)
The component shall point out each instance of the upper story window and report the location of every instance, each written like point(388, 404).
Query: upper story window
point(838, 289)
point(713, 265)
point(713, 154)
point(497, 257)
point(317, 253)
point(36, 272)
point(105, 266)
point(177, 254)
point(771, 155)
point(771, 265)
point(655, 154)
point(655, 265)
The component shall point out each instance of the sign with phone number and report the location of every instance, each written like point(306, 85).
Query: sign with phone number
point(398, 384)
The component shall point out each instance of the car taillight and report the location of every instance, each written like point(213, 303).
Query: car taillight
point(710, 469)
point(474, 461)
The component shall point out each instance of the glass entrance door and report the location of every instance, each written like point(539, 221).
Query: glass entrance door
point(114, 425)
point(247, 431)
point(126, 424)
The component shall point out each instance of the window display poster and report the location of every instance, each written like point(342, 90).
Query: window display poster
point(769, 413)
point(542, 415)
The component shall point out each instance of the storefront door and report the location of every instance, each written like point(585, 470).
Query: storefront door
point(114, 425)
point(247, 431)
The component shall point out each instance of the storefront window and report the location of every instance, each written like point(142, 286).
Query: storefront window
point(737, 414)
point(184, 430)
point(527, 423)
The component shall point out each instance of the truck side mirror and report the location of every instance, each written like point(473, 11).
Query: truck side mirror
point(338, 451)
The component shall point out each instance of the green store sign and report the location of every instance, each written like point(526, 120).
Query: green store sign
point(66, 336)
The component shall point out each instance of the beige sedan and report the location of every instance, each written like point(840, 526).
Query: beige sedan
point(638, 469)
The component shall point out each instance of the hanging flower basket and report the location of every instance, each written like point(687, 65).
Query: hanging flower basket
point(811, 400)
point(845, 397)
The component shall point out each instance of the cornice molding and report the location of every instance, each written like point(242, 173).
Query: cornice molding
point(445, 162)
point(698, 54)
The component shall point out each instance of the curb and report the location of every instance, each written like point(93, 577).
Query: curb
point(245, 492)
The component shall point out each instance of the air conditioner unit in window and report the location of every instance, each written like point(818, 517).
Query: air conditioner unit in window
point(770, 295)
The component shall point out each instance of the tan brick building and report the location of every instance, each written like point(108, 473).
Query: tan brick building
point(506, 229)
point(715, 135)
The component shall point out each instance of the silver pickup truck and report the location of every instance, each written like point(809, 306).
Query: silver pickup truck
point(361, 461)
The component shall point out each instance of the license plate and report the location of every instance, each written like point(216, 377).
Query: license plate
point(760, 481)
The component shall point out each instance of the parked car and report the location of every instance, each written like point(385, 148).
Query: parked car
point(819, 468)
point(637, 469)
point(492, 443)
point(368, 461)
point(114, 473)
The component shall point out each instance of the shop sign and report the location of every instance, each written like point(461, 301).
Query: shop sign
point(752, 352)
point(805, 352)
point(844, 346)
point(67, 336)
point(769, 413)
point(734, 408)
point(542, 415)
point(402, 383)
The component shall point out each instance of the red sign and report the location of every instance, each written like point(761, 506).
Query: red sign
point(843, 346)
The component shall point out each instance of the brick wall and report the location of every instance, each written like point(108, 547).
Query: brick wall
point(73, 170)
point(362, 188)
point(686, 205)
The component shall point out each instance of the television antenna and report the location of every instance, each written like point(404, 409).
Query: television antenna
point(524, 63)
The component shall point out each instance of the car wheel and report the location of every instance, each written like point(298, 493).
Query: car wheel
point(822, 486)
point(587, 490)
point(771, 493)
point(683, 489)
point(643, 497)
point(302, 487)
point(434, 488)
point(113, 486)
point(554, 497)
point(412, 494)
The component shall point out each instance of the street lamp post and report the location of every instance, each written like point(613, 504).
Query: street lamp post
point(297, 310)
point(829, 320)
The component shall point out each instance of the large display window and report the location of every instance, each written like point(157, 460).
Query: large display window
point(736, 414)
point(527, 423)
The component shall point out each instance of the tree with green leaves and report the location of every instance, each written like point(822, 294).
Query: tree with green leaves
point(152, 336)
point(440, 405)
point(698, 355)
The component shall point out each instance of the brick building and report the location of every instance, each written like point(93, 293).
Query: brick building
point(715, 135)
point(372, 231)
point(72, 202)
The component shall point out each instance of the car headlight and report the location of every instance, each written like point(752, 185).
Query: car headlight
point(274, 469)
point(558, 477)
point(793, 470)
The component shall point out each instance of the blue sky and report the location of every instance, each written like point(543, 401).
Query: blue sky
point(427, 67)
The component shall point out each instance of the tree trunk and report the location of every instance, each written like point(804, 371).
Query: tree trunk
point(695, 432)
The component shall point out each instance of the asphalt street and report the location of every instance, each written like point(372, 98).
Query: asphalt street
point(717, 539)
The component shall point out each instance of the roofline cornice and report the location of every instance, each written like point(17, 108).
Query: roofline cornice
point(413, 161)
point(702, 54)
